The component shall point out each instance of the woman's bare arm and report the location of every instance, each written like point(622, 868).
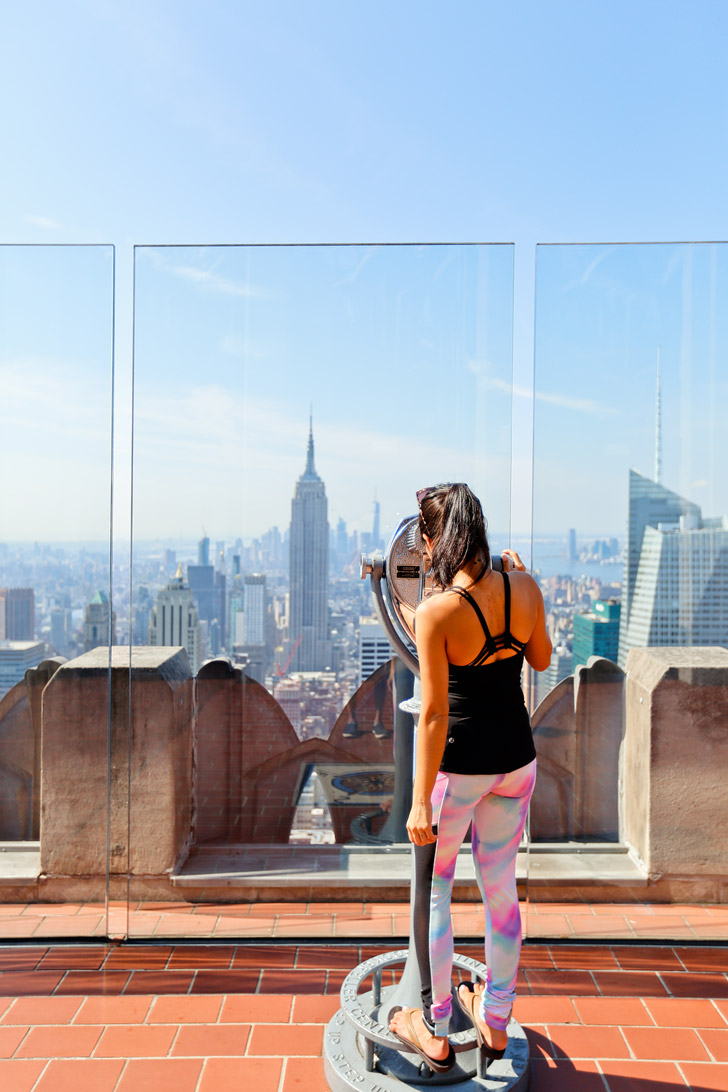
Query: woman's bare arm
point(433, 719)
point(538, 647)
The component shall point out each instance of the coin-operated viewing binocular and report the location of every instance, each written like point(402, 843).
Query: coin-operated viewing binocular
point(400, 579)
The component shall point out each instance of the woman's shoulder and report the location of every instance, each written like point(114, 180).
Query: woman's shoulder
point(522, 582)
point(437, 607)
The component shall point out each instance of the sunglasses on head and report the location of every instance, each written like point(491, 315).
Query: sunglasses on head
point(421, 494)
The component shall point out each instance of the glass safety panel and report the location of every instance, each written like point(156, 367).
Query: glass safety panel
point(630, 546)
point(57, 622)
point(289, 402)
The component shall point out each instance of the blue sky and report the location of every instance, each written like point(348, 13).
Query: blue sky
point(404, 352)
point(472, 121)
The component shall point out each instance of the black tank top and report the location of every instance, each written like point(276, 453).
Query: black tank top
point(489, 731)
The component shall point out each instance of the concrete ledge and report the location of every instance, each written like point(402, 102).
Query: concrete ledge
point(547, 872)
point(336, 872)
point(19, 863)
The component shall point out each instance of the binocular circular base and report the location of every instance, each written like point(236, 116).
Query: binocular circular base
point(361, 1053)
point(345, 1052)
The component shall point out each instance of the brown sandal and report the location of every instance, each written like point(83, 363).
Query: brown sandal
point(413, 1044)
point(469, 1008)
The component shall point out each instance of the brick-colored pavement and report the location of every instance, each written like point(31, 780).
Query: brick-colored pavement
point(212, 1017)
point(344, 921)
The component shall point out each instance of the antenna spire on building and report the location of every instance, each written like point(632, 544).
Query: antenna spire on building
point(658, 425)
point(310, 471)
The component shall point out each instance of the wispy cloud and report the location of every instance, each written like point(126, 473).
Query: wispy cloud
point(215, 283)
point(205, 278)
point(564, 401)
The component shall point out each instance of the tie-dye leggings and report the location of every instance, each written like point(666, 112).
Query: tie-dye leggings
point(497, 804)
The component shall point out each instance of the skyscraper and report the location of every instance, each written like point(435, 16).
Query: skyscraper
point(62, 630)
point(374, 648)
point(99, 626)
point(174, 620)
point(596, 633)
point(17, 614)
point(342, 542)
point(201, 579)
point(308, 629)
point(15, 659)
point(209, 588)
point(675, 587)
point(559, 668)
point(289, 695)
point(254, 616)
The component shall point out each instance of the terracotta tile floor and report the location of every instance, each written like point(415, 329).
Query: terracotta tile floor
point(214, 1017)
point(337, 921)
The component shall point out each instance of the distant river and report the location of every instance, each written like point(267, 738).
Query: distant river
point(556, 564)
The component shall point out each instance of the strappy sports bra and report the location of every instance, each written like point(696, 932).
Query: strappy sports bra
point(492, 644)
point(489, 731)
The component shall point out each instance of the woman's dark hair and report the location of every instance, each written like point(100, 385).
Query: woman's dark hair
point(452, 516)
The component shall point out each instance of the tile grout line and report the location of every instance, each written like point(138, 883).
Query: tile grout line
point(40, 1075)
point(679, 1069)
point(704, 1045)
point(679, 958)
point(601, 1073)
point(102, 1033)
point(663, 984)
point(282, 1079)
point(633, 1056)
point(552, 1044)
point(23, 1038)
point(203, 1067)
point(124, 1068)
point(720, 1013)
point(647, 1009)
point(174, 1040)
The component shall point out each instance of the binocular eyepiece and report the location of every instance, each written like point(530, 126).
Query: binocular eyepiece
point(401, 578)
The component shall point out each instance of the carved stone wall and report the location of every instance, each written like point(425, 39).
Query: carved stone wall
point(674, 787)
point(578, 730)
point(149, 745)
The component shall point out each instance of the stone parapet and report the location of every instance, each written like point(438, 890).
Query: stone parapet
point(100, 740)
point(673, 785)
point(134, 764)
point(577, 732)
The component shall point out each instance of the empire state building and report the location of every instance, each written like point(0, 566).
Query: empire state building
point(308, 629)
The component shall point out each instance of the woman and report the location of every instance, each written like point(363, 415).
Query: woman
point(475, 762)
